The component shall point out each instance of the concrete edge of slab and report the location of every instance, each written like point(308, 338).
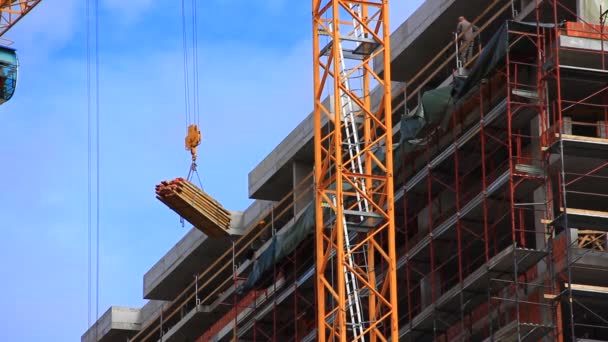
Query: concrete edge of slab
point(119, 320)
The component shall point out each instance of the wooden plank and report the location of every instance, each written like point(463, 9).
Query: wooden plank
point(590, 288)
point(584, 212)
point(582, 138)
point(194, 205)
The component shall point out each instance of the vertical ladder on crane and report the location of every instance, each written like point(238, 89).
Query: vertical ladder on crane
point(354, 189)
point(352, 144)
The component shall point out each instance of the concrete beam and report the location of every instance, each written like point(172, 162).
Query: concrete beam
point(117, 324)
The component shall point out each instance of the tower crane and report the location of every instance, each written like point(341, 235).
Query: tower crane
point(11, 11)
point(356, 277)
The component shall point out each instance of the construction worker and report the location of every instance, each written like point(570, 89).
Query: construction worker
point(466, 40)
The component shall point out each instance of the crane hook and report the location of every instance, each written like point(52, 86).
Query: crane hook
point(193, 139)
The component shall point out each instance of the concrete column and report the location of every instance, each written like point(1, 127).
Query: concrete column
point(573, 237)
point(567, 125)
point(444, 201)
point(303, 194)
point(540, 197)
point(589, 10)
point(602, 129)
point(426, 288)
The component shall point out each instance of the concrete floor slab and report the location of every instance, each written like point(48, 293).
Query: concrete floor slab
point(192, 254)
point(117, 324)
point(151, 310)
point(176, 269)
point(191, 326)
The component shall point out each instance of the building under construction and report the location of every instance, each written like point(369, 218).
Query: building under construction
point(499, 198)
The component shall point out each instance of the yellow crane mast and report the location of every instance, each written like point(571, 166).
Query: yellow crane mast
point(356, 277)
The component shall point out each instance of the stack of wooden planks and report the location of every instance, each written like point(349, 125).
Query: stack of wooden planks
point(195, 206)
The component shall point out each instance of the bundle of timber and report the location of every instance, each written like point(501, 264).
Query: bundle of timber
point(194, 205)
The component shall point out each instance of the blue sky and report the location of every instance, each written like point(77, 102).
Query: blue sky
point(255, 73)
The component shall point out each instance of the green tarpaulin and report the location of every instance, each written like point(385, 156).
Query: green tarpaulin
point(281, 245)
point(437, 106)
point(431, 111)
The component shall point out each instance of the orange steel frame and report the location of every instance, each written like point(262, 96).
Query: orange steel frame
point(334, 177)
point(12, 11)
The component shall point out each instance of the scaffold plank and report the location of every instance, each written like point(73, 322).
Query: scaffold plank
point(589, 290)
point(527, 332)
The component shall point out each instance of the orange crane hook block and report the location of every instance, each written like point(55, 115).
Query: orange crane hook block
point(193, 139)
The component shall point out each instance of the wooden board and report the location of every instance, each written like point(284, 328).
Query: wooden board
point(195, 206)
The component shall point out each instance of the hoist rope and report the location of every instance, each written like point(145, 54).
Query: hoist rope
point(195, 62)
point(89, 167)
point(191, 84)
point(185, 61)
point(98, 143)
point(90, 164)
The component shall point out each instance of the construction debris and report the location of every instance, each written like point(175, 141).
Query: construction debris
point(195, 206)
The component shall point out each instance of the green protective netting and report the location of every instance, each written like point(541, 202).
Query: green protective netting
point(435, 110)
point(281, 245)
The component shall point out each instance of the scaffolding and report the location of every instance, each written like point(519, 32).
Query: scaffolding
point(481, 210)
point(575, 140)
point(501, 217)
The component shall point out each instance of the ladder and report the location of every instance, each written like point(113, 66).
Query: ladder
point(352, 143)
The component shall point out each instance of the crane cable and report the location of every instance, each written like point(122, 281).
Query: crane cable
point(192, 108)
point(90, 161)
point(89, 168)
